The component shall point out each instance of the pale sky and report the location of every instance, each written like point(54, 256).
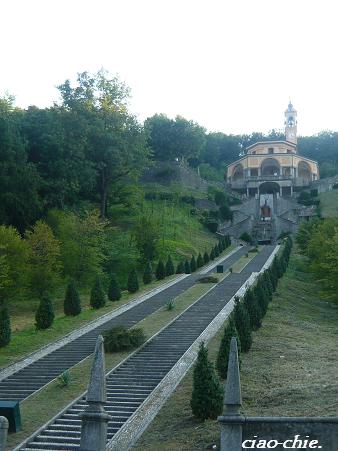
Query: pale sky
point(229, 65)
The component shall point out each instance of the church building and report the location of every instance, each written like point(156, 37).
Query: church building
point(273, 167)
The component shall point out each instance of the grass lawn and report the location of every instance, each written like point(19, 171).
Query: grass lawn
point(329, 203)
point(290, 370)
point(39, 408)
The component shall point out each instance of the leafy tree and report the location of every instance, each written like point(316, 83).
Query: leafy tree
point(44, 316)
point(169, 267)
point(225, 213)
point(114, 290)
point(180, 268)
point(200, 261)
point(83, 240)
point(220, 198)
point(43, 259)
point(246, 237)
point(133, 284)
point(147, 234)
point(20, 204)
point(5, 326)
point(148, 274)
point(206, 257)
point(193, 265)
point(187, 269)
point(160, 270)
point(72, 302)
point(207, 395)
point(116, 144)
point(243, 326)
point(224, 348)
point(97, 296)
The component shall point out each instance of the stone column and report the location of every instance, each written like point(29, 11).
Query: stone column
point(232, 420)
point(3, 433)
point(94, 418)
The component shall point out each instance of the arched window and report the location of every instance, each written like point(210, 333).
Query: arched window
point(238, 172)
point(270, 167)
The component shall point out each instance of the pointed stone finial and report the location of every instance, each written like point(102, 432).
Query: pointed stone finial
point(97, 384)
point(95, 419)
point(233, 395)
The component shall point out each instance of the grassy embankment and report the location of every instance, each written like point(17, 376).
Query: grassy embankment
point(50, 400)
point(290, 369)
point(182, 235)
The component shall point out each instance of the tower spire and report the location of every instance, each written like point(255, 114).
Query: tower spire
point(290, 123)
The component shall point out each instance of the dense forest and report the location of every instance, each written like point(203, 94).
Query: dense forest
point(69, 183)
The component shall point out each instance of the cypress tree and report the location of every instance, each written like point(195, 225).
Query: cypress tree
point(132, 284)
point(206, 257)
point(243, 326)
point(200, 261)
point(261, 298)
point(44, 315)
point(169, 267)
point(114, 291)
point(72, 302)
point(147, 274)
point(5, 326)
point(224, 348)
point(187, 267)
point(220, 248)
point(207, 395)
point(254, 309)
point(193, 265)
point(160, 271)
point(212, 254)
point(180, 268)
point(97, 296)
point(216, 251)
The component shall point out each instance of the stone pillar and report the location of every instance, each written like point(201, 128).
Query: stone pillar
point(232, 420)
point(95, 419)
point(3, 433)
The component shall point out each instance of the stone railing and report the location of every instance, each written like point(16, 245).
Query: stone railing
point(239, 432)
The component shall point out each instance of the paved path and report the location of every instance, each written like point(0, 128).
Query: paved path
point(129, 385)
point(33, 377)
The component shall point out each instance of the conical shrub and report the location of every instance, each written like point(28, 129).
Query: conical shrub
point(216, 251)
point(224, 348)
point(114, 290)
point(160, 270)
point(147, 274)
point(5, 326)
point(212, 254)
point(44, 316)
point(132, 284)
point(180, 268)
point(206, 257)
point(243, 326)
point(193, 265)
point(207, 395)
point(72, 302)
point(200, 261)
point(253, 307)
point(187, 267)
point(169, 267)
point(97, 296)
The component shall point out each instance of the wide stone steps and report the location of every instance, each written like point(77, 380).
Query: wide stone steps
point(34, 376)
point(127, 395)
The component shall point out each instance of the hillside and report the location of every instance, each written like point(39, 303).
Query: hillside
point(329, 203)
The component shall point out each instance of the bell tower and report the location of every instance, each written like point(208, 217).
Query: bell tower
point(291, 124)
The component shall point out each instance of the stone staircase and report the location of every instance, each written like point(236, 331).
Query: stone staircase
point(33, 377)
point(129, 384)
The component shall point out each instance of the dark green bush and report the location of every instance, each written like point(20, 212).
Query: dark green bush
point(148, 274)
point(180, 268)
point(72, 302)
point(44, 316)
point(121, 339)
point(193, 265)
point(187, 267)
point(133, 284)
point(5, 326)
point(224, 348)
point(160, 270)
point(206, 257)
point(169, 267)
point(208, 279)
point(200, 261)
point(97, 296)
point(114, 291)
